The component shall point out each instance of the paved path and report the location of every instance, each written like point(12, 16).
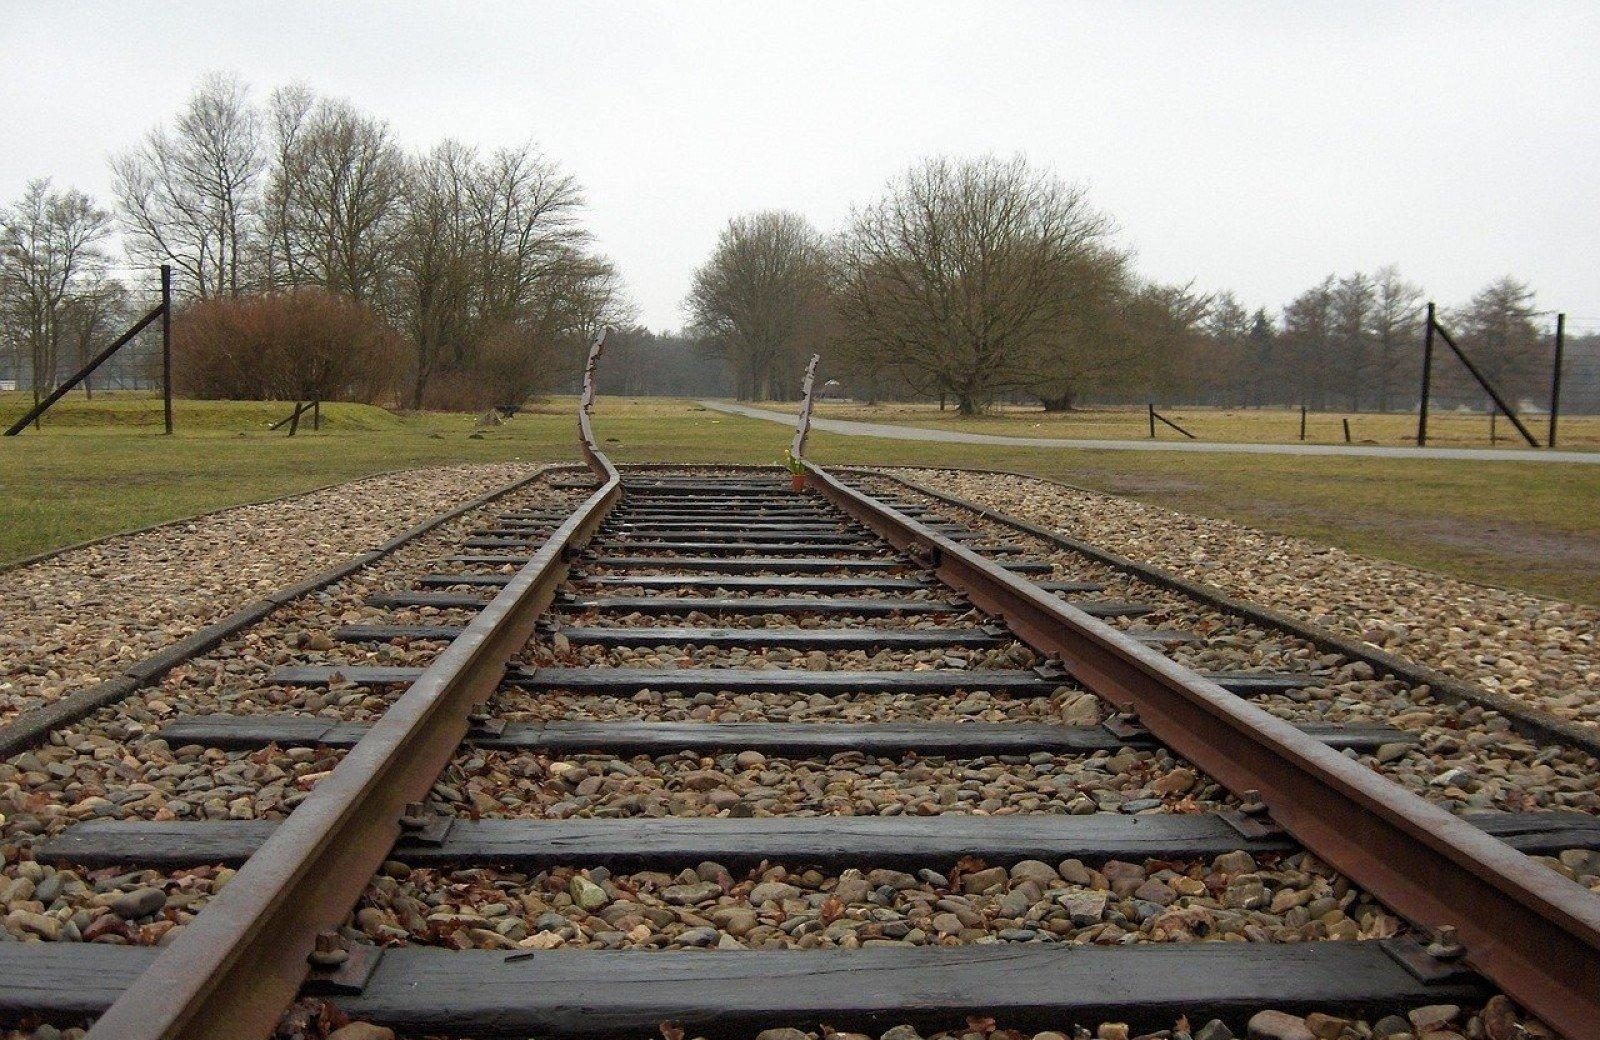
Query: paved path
point(851, 428)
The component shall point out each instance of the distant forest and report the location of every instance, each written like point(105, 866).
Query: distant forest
point(643, 363)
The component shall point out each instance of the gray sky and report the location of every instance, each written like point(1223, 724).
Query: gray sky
point(1255, 147)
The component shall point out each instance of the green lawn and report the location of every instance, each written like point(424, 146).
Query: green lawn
point(1526, 526)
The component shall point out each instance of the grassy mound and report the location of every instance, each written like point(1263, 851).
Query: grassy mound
point(140, 412)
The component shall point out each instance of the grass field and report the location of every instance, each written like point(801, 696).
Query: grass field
point(1248, 425)
point(1526, 526)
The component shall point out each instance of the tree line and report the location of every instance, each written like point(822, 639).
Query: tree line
point(986, 280)
point(449, 277)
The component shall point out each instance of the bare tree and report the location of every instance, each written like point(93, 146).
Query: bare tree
point(760, 300)
point(1396, 319)
point(1308, 337)
point(49, 252)
point(189, 194)
point(1221, 367)
point(523, 226)
point(288, 112)
point(332, 202)
point(434, 270)
point(955, 276)
point(1093, 345)
point(489, 247)
point(94, 315)
point(1350, 337)
point(545, 341)
point(1497, 330)
point(1168, 323)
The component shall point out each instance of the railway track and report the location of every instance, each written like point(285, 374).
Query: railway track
point(707, 753)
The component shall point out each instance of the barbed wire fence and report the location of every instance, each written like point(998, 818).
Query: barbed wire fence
point(131, 382)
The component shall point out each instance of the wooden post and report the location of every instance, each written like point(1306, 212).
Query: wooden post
point(166, 345)
point(1347, 431)
point(1427, 379)
point(1302, 422)
point(1555, 378)
point(1152, 407)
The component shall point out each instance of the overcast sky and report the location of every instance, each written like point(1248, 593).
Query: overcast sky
point(1254, 147)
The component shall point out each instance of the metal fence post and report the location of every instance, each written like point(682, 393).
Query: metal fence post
point(1555, 377)
point(1427, 377)
point(166, 344)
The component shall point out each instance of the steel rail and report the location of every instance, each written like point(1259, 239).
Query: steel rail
point(242, 961)
point(1532, 932)
point(1525, 719)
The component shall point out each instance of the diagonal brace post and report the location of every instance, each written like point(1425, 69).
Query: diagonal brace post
point(1488, 387)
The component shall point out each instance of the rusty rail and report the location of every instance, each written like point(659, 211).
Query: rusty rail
point(802, 427)
point(242, 961)
point(1529, 930)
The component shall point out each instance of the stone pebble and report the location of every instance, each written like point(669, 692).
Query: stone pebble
point(1233, 898)
point(1467, 758)
point(532, 784)
point(82, 617)
point(1540, 650)
point(558, 652)
point(1067, 706)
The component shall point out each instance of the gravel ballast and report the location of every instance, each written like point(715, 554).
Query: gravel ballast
point(1233, 898)
point(1542, 651)
point(79, 618)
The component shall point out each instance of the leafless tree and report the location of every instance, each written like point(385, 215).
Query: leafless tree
point(1307, 339)
point(956, 275)
point(1222, 369)
point(50, 251)
point(760, 301)
point(1168, 324)
point(1093, 345)
point(94, 315)
point(1498, 332)
point(288, 112)
point(545, 340)
point(1396, 319)
point(491, 246)
point(1350, 337)
point(189, 195)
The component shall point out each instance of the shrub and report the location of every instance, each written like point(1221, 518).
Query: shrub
point(286, 346)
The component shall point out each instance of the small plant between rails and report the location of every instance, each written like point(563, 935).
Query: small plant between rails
point(839, 737)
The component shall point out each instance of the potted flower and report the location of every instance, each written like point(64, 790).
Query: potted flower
point(797, 471)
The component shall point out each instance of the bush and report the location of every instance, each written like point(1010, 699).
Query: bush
point(288, 346)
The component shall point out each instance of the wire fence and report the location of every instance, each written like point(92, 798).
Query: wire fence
point(126, 389)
